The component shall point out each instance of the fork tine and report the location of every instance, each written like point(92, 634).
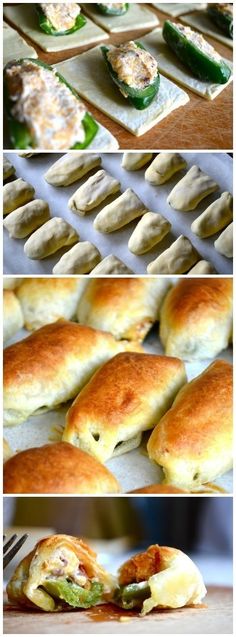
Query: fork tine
point(9, 543)
point(14, 550)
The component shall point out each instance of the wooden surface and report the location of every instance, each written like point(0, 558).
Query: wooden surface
point(200, 124)
point(214, 616)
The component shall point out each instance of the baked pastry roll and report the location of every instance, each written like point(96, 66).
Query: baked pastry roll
point(57, 468)
point(135, 161)
point(120, 212)
point(15, 194)
point(27, 218)
point(50, 366)
point(126, 307)
point(150, 230)
point(160, 577)
point(8, 168)
point(127, 396)
point(161, 489)
point(71, 167)
point(193, 442)
point(177, 259)
point(93, 192)
point(203, 267)
point(215, 217)
point(111, 265)
point(193, 188)
point(59, 573)
point(12, 315)
point(53, 235)
point(163, 167)
point(224, 243)
point(11, 282)
point(7, 451)
point(81, 259)
point(196, 318)
point(45, 300)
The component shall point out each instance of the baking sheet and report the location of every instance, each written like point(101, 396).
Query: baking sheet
point(218, 165)
point(203, 23)
point(137, 16)
point(133, 469)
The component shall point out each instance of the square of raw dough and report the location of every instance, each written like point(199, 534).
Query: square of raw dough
point(202, 22)
point(170, 65)
point(14, 46)
point(88, 74)
point(137, 17)
point(178, 8)
point(25, 17)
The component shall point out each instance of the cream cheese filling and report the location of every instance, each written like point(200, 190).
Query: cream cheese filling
point(134, 66)
point(199, 41)
point(61, 16)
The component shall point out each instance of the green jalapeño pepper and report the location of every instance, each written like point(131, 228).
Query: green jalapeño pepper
point(195, 52)
point(103, 8)
point(73, 594)
point(140, 98)
point(132, 595)
point(222, 17)
point(20, 136)
point(47, 26)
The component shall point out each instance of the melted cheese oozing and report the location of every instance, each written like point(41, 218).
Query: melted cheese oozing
point(48, 108)
point(134, 66)
point(199, 41)
point(61, 16)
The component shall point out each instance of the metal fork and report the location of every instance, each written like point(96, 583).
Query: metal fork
point(8, 555)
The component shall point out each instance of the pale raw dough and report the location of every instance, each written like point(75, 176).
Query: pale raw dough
point(178, 8)
point(170, 65)
point(163, 167)
point(111, 265)
point(177, 259)
point(14, 47)
point(215, 217)
point(81, 259)
point(189, 191)
point(15, 194)
point(27, 218)
point(202, 22)
point(224, 243)
point(120, 212)
point(137, 17)
point(71, 167)
point(150, 230)
point(25, 16)
point(135, 161)
point(53, 235)
point(95, 190)
point(8, 169)
point(88, 74)
point(202, 267)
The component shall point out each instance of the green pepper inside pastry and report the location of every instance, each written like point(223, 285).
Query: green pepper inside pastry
point(160, 577)
point(112, 8)
point(43, 110)
point(134, 70)
point(196, 53)
point(60, 572)
point(60, 18)
point(222, 14)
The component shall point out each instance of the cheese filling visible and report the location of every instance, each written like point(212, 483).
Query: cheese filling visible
point(61, 16)
point(199, 41)
point(134, 66)
point(50, 111)
point(113, 5)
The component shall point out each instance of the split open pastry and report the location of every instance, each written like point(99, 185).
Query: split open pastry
point(126, 307)
point(59, 573)
point(57, 468)
point(12, 315)
point(8, 168)
point(120, 212)
point(53, 235)
point(160, 577)
point(215, 217)
point(93, 192)
point(177, 259)
point(150, 230)
point(135, 161)
point(25, 219)
point(202, 267)
point(80, 259)
point(193, 442)
point(50, 366)
point(224, 243)
point(111, 265)
point(196, 318)
point(15, 194)
point(45, 300)
point(71, 167)
point(193, 188)
point(125, 397)
point(163, 167)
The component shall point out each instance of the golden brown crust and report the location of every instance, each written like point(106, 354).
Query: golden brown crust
point(46, 300)
point(143, 565)
point(158, 488)
point(57, 468)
